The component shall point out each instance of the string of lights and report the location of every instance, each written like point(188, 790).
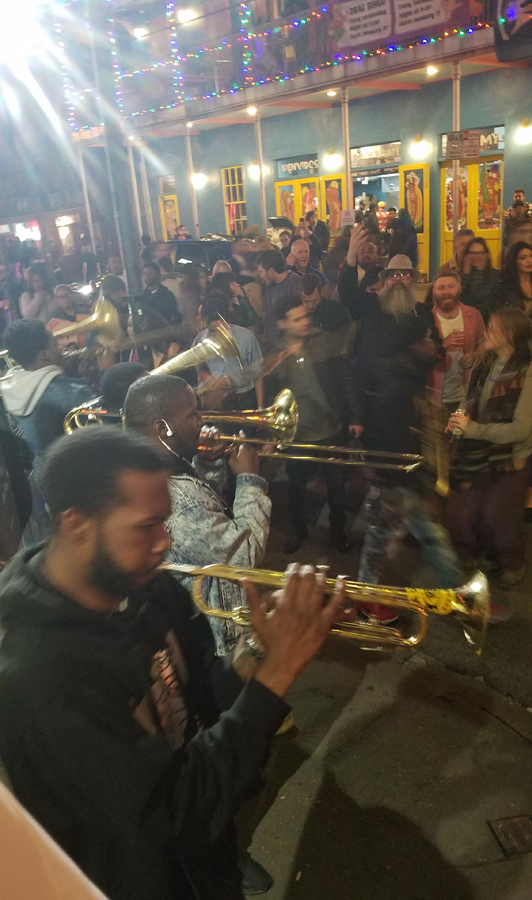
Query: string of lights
point(242, 41)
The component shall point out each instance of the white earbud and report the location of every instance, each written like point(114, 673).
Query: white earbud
point(169, 432)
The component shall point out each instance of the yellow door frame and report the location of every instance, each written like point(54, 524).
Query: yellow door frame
point(493, 236)
point(168, 198)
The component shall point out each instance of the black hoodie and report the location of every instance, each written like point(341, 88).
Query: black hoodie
point(143, 821)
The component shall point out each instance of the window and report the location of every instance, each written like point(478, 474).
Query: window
point(234, 199)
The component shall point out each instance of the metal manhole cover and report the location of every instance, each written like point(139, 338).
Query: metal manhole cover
point(514, 835)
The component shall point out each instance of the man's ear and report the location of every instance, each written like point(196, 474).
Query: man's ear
point(162, 428)
point(281, 324)
point(75, 525)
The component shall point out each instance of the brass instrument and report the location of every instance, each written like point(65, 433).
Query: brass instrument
point(5, 360)
point(104, 320)
point(220, 343)
point(469, 604)
point(278, 423)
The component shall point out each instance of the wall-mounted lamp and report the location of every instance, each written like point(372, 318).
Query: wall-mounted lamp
point(332, 160)
point(419, 149)
point(190, 124)
point(199, 180)
point(432, 70)
point(251, 110)
point(254, 171)
point(523, 135)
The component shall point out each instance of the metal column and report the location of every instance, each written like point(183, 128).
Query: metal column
point(262, 188)
point(134, 187)
point(148, 211)
point(347, 150)
point(456, 127)
point(88, 212)
point(115, 154)
point(194, 199)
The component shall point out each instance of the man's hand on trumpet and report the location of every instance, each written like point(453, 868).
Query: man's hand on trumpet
point(293, 631)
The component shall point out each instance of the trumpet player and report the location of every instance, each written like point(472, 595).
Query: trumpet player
point(202, 527)
point(108, 720)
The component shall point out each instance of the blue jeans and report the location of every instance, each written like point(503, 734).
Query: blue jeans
point(393, 512)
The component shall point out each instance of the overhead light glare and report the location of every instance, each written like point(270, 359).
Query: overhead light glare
point(331, 93)
point(140, 33)
point(432, 70)
point(186, 15)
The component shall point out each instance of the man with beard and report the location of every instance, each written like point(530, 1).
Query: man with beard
point(397, 345)
point(108, 726)
point(462, 331)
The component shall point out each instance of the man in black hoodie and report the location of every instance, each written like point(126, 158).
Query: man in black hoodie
point(108, 725)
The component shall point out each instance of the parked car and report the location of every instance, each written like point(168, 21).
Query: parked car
point(203, 252)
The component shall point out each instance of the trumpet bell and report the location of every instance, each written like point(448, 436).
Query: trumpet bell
point(475, 617)
point(104, 321)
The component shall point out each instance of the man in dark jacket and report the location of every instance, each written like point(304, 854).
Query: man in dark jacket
point(317, 372)
point(328, 315)
point(106, 709)
point(319, 228)
point(158, 297)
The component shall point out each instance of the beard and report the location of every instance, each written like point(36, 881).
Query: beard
point(397, 299)
point(105, 575)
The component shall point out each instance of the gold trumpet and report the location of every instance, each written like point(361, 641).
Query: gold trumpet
point(469, 604)
point(278, 423)
point(220, 343)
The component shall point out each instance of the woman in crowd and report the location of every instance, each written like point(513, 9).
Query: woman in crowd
point(492, 461)
point(65, 309)
point(37, 301)
point(480, 281)
point(285, 237)
point(516, 287)
point(404, 237)
point(240, 310)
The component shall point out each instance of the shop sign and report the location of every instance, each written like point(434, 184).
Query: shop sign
point(297, 167)
point(363, 24)
point(463, 144)
point(376, 155)
point(472, 143)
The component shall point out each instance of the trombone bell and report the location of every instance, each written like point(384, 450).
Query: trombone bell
point(104, 321)
point(469, 604)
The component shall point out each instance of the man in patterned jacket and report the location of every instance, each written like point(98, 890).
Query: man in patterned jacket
point(203, 528)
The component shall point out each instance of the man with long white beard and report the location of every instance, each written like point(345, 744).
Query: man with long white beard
point(397, 345)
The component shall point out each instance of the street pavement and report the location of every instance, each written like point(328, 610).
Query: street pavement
point(384, 787)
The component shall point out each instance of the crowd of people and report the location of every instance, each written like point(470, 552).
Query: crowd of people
point(131, 727)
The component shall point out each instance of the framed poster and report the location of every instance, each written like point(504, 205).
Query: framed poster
point(169, 213)
point(284, 199)
point(449, 198)
point(489, 195)
point(309, 196)
point(333, 194)
point(414, 197)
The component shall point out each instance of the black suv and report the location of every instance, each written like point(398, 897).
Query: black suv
point(203, 252)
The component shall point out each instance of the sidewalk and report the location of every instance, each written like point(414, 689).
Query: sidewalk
point(386, 786)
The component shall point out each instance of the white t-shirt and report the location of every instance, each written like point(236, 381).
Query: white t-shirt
point(454, 381)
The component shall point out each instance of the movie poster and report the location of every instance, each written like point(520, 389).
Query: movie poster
point(169, 213)
point(285, 201)
point(334, 204)
point(413, 196)
point(489, 195)
point(462, 198)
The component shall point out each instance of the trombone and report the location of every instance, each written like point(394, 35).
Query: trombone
point(220, 343)
point(469, 604)
point(278, 424)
